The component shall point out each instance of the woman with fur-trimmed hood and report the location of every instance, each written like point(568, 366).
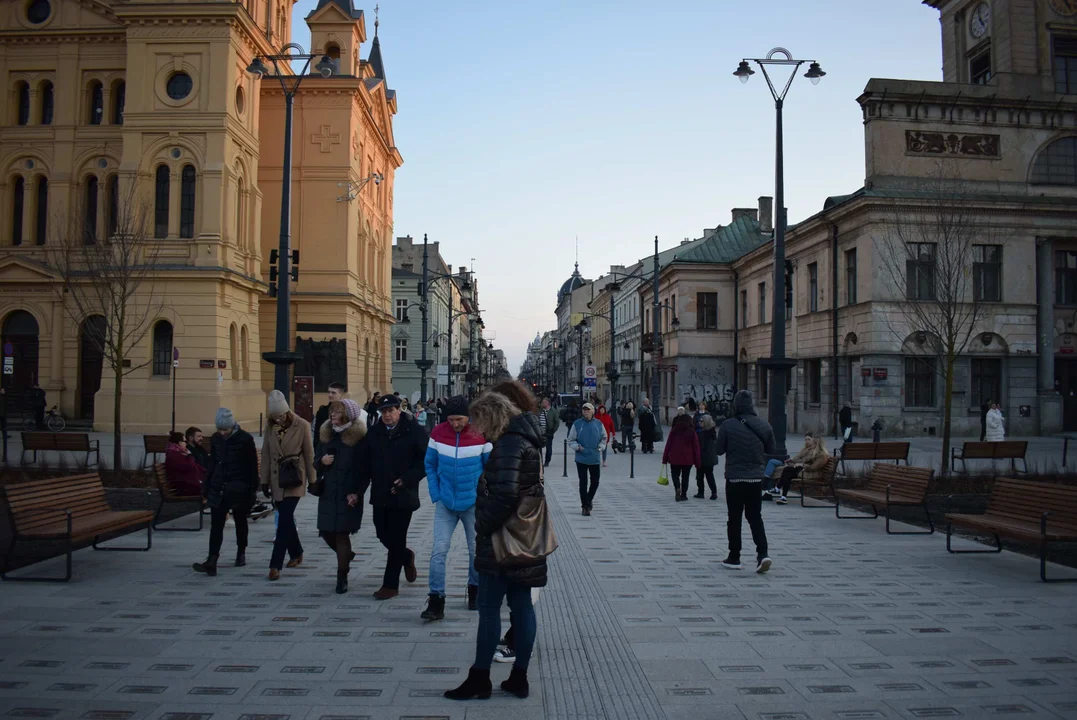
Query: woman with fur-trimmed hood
point(339, 464)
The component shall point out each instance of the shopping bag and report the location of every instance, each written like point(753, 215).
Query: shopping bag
point(663, 476)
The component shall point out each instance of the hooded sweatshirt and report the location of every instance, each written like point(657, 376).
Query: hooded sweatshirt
point(745, 440)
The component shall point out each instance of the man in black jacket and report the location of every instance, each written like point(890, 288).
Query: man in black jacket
point(395, 465)
point(230, 487)
point(194, 444)
point(337, 391)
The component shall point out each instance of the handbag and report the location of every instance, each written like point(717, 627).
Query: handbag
point(288, 472)
point(663, 475)
point(527, 536)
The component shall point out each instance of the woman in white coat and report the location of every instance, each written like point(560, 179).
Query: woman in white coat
point(996, 429)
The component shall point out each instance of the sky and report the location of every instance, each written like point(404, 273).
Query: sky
point(525, 125)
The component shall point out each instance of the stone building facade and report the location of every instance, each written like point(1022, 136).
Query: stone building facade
point(108, 100)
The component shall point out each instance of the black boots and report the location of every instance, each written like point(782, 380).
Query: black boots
point(241, 558)
point(517, 683)
point(477, 685)
point(435, 608)
point(472, 597)
point(342, 582)
point(209, 566)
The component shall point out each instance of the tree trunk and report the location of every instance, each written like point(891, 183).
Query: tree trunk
point(117, 397)
point(947, 412)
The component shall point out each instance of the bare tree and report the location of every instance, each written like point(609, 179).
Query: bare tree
point(111, 277)
point(928, 253)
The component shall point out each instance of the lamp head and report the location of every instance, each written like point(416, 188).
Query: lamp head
point(815, 73)
point(326, 66)
point(258, 68)
point(406, 319)
point(676, 322)
point(744, 71)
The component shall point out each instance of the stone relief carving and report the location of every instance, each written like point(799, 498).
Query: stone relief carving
point(326, 360)
point(918, 142)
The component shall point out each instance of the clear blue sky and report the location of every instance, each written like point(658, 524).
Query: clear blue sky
point(523, 125)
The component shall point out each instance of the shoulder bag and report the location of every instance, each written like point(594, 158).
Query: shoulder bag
point(288, 476)
point(527, 536)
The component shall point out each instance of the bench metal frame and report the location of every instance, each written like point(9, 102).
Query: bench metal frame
point(875, 510)
point(874, 457)
point(954, 457)
point(92, 447)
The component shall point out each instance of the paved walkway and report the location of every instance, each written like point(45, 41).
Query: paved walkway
point(639, 621)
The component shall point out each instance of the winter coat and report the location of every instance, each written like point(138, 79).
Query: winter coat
point(646, 423)
point(553, 422)
point(814, 458)
point(588, 439)
point(745, 440)
point(708, 447)
point(200, 456)
point(296, 441)
point(996, 428)
point(845, 417)
point(454, 462)
point(570, 415)
point(341, 479)
point(183, 472)
point(607, 422)
point(682, 445)
point(397, 454)
point(514, 468)
point(628, 418)
point(233, 473)
point(320, 418)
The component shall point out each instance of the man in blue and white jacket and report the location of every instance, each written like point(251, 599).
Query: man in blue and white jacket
point(588, 439)
point(455, 458)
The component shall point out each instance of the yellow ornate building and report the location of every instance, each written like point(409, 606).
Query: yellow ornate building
point(101, 96)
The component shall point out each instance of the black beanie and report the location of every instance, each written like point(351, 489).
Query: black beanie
point(456, 406)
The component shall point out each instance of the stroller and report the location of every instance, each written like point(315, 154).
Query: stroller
point(618, 446)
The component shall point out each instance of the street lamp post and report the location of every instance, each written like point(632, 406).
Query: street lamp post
point(423, 363)
point(282, 357)
point(777, 363)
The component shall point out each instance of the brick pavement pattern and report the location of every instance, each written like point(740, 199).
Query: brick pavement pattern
point(639, 621)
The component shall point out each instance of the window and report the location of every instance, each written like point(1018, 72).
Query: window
point(1065, 65)
point(113, 191)
point(980, 67)
point(23, 91)
point(162, 349)
point(987, 272)
point(18, 198)
point(179, 86)
point(673, 306)
point(1066, 277)
point(89, 212)
point(850, 277)
point(400, 353)
point(401, 309)
point(160, 202)
point(233, 353)
point(813, 287)
point(187, 202)
point(706, 311)
point(48, 103)
point(97, 104)
point(244, 361)
point(1057, 163)
point(744, 308)
point(762, 303)
point(38, 11)
point(41, 222)
point(920, 272)
point(814, 370)
point(986, 381)
point(119, 97)
point(919, 382)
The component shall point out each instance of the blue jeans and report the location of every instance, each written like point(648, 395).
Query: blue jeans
point(492, 592)
point(444, 526)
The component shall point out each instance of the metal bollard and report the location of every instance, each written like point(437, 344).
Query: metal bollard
point(259, 424)
point(564, 473)
point(631, 458)
point(1065, 450)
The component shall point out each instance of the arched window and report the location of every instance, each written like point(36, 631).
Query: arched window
point(243, 363)
point(119, 96)
point(160, 202)
point(89, 211)
point(113, 192)
point(187, 202)
point(48, 102)
point(18, 197)
point(1057, 163)
point(366, 364)
point(41, 224)
point(97, 103)
point(23, 91)
point(162, 349)
point(241, 212)
point(233, 353)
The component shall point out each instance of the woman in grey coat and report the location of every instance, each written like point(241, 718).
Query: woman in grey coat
point(340, 506)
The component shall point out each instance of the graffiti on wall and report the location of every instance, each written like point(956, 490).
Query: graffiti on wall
point(710, 393)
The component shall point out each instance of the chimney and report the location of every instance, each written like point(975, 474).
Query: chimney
point(410, 267)
point(744, 212)
point(462, 271)
point(766, 214)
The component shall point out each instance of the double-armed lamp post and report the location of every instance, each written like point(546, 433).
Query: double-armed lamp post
point(777, 363)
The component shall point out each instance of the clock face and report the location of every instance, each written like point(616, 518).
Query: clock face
point(981, 20)
point(1065, 7)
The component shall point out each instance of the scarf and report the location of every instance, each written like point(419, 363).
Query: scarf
point(341, 428)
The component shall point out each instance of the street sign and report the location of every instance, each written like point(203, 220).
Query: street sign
point(590, 372)
point(590, 382)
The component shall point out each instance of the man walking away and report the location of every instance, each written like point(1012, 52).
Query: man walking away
point(746, 440)
point(647, 426)
point(337, 392)
point(455, 458)
point(984, 409)
point(394, 466)
point(549, 423)
point(588, 439)
point(845, 420)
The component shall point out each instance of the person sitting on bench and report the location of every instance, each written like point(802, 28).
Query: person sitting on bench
point(183, 472)
point(811, 459)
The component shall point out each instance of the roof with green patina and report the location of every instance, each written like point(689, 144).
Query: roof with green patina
point(726, 244)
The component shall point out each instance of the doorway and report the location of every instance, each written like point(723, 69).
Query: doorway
point(1066, 385)
point(91, 363)
point(20, 331)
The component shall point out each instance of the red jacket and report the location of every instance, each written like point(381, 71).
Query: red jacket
point(607, 422)
point(682, 446)
point(184, 473)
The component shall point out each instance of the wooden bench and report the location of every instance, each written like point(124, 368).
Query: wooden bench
point(1041, 513)
point(896, 451)
point(890, 485)
point(826, 480)
point(33, 441)
point(169, 495)
point(153, 445)
point(71, 509)
point(1012, 450)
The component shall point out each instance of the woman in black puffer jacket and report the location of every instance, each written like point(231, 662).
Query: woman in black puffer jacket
point(513, 471)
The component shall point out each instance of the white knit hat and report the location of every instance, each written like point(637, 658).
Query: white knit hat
point(277, 404)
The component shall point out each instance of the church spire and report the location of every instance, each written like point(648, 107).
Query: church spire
point(375, 49)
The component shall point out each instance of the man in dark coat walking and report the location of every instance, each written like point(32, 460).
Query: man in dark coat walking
point(395, 466)
point(230, 487)
point(646, 420)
